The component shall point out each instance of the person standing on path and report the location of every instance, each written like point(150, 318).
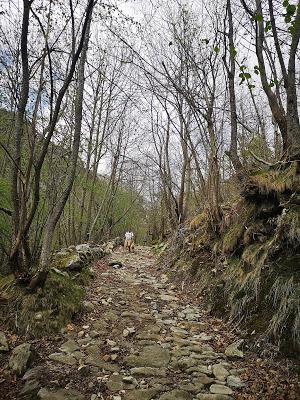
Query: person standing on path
point(129, 244)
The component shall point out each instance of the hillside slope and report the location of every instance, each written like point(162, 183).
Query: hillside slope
point(251, 270)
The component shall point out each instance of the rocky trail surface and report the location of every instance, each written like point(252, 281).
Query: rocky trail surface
point(140, 338)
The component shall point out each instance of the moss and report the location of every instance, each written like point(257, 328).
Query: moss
point(253, 255)
point(232, 237)
point(237, 222)
point(277, 180)
point(46, 311)
point(287, 265)
point(202, 234)
point(197, 221)
point(62, 259)
point(259, 322)
point(289, 225)
point(51, 308)
point(84, 277)
point(258, 285)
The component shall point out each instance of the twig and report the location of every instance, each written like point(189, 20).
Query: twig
point(6, 211)
point(11, 158)
point(260, 159)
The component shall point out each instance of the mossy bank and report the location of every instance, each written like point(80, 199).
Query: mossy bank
point(250, 269)
point(50, 308)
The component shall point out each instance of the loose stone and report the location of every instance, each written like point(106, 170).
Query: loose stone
point(70, 346)
point(234, 381)
point(232, 351)
point(220, 372)
point(63, 358)
point(220, 389)
point(20, 358)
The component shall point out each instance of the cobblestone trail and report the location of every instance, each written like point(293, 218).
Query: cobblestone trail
point(140, 338)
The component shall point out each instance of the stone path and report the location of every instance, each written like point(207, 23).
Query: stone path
point(139, 338)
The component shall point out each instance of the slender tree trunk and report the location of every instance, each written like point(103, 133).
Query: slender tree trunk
point(233, 150)
point(59, 206)
point(89, 158)
point(25, 223)
point(293, 126)
point(277, 111)
point(18, 210)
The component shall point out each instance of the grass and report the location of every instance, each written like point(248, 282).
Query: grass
point(289, 226)
point(285, 295)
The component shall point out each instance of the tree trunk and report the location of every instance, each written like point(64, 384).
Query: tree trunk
point(293, 126)
point(277, 111)
point(16, 180)
point(233, 150)
point(59, 206)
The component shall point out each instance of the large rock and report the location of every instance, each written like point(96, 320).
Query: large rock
point(179, 331)
point(30, 388)
point(193, 388)
point(60, 394)
point(168, 297)
point(176, 394)
point(100, 325)
point(3, 342)
point(59, 272)
point(20, 358)
point(151, 356)
point(83, 247)
point(201, 369)
point(33, 373)
point(75, 264)
point(203, 379)
point(187, 362)
point(233, 351)
point(85, 256)
point(220, 372)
